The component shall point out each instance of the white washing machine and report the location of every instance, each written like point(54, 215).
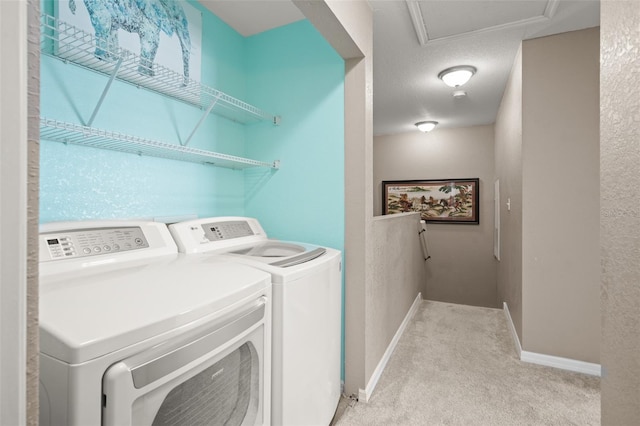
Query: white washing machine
point(306, 285)
point(131, 332)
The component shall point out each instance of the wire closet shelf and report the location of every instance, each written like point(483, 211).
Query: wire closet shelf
point(76, 134)
point(68, 43)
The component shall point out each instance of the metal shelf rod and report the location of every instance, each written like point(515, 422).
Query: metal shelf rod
point(206, 113)
point(104, 92)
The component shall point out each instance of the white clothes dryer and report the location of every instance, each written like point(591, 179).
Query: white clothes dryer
point(131, 332)
point(307, 295)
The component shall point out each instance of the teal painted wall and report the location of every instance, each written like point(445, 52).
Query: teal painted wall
point(292, 71)
point(85, 183)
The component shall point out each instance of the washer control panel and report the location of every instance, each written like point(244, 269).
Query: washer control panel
point(216, 233)
point(93, 242)
point(226, 230)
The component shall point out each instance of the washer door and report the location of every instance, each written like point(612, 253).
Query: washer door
point(271, 249)
point(213, 377)
point(280, 254)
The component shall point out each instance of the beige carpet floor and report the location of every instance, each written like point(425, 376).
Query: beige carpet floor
point(456, 365)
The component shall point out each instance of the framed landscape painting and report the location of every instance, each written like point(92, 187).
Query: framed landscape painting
point(437, 200)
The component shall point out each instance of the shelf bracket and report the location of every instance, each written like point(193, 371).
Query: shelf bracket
point(206, 113)
point(104, 92)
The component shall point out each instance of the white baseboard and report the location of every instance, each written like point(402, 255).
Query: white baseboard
point(562, 363)
point(549, 360)
point(512, 329)
point(365, 394)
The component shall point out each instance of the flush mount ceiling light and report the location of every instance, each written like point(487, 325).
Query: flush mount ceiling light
point(457, 76)
point(426, 126)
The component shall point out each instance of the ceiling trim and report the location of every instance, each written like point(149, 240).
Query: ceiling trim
point(423, 35)
point(418, 22)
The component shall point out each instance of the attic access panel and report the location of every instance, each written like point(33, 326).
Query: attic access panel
point(447, 19)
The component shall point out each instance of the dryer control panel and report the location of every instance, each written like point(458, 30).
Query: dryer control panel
point(92, 242)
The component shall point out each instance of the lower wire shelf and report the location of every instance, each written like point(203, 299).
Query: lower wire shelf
point(75, 134)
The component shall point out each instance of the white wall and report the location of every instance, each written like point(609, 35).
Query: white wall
point(560, 205)
point(462, 268)
point(620, 210)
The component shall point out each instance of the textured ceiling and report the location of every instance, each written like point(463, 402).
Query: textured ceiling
point(456, 18)
point(249, 17)
point(415, 40)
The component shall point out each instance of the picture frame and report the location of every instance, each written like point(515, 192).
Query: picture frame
point(176, 48)
point(437, 200)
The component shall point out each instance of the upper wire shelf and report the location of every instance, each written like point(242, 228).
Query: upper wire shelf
point(68, 133)
point(68, 43)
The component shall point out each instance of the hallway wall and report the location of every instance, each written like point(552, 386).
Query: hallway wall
point(560, 213)
point(462, 268)
point(619, 210)
point(547, 163)
point(398, 277)
point(508, 155)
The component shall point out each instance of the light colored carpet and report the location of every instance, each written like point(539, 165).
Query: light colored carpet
point(456, 365)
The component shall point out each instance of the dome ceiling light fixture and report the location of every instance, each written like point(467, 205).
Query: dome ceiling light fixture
point(457, 76)
point(459, 94)
point(426, 126)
